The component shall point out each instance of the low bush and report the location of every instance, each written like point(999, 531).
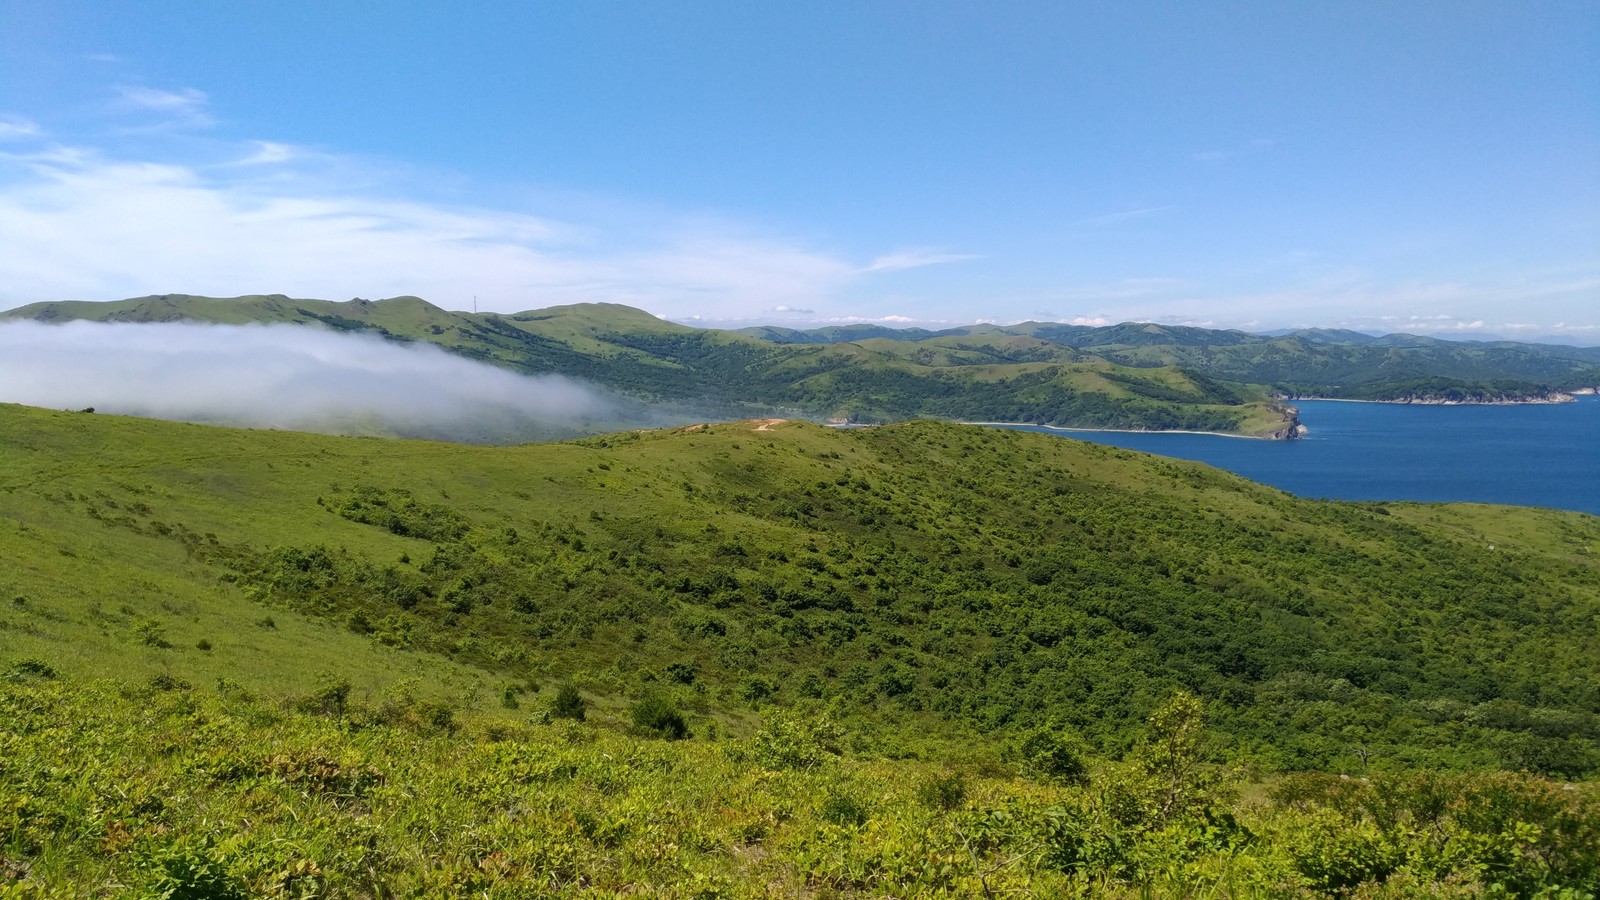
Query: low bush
point(655, 716)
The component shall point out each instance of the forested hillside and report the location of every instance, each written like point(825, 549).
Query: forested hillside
point(727, 375)
point(1133, 375)
point(1311, 362)
point(982, 579)
point(895, 623)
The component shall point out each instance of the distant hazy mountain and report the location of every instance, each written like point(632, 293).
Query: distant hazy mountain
point(1347, 336)
point(1329, 362)
point(1326, 335)
point(835, 334)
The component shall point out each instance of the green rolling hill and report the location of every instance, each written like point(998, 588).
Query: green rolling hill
point(985, 580)
point(990, 377)
point(1323, 362)
point(916, 660)
point(1133, 375)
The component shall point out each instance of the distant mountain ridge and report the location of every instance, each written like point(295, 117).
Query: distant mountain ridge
point(1152, 333)
point(995, 376)
point(1307, 362)
point(1131, 375)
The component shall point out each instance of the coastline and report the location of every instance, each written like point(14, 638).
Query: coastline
point(1247, 437)
point(1551, 401)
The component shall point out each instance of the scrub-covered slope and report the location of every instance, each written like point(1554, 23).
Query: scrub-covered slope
point(925, 578)
point(923, 660)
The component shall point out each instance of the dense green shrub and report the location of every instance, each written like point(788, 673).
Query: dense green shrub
point(795, 741)
point(841, 808)
point(30, 668)
point(397, 511)
point(1053, 754)
point(152, 634)
point(568, 703)
point(943, 791)
point(330, 698)
point(656, 716)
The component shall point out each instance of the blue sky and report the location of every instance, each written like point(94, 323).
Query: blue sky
point(1424, 167)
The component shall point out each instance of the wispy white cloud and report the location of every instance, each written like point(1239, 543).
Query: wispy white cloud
point(270, 153)
point(873, 320)
point(163, 109)
point(1447, 324)
point(1126, 215)
point(187, 100)
point(16, 128)
point(203, 214)
point(914, 259)
point(270, 217)
point(1248, 148)
point(1587, 331)
point(1474, 325)
point(177, 208)
point(1362, 301)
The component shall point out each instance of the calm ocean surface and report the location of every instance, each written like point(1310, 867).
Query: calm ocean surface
point(1534, 455)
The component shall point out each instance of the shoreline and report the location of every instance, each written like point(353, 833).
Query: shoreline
point(1246, 437)
point(1565, 398)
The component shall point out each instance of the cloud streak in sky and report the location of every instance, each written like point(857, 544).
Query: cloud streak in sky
point(143, 197)
point(187, 102)
point(16, 128)
point(1127, 215)
point(223, 218)
point(914, 259)
point(286, 376)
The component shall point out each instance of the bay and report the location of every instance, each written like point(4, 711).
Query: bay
point(1520, 454)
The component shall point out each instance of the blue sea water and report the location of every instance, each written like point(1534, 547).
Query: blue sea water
point(1527, 455)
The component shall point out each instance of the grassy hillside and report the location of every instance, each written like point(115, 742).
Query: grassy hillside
point(168, 790)
point(1132, 375)
point(915, 660)
point(1383, 369)
point(1311, 362)
point(727, 374)
point(984, 580)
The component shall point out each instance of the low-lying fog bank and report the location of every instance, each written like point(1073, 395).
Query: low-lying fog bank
point(297, 377)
